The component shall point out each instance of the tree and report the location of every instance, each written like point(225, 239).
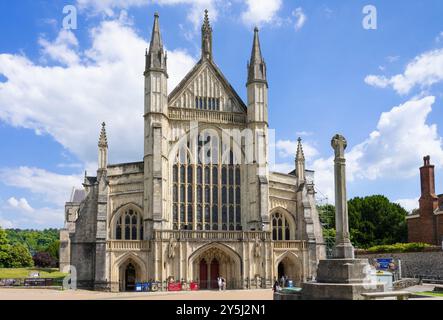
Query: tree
point(373, 220)
point(53, 250)
point(44, 260)
point(4, 249)
point(20, 257)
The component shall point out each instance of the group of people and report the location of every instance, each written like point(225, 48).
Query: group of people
point(282, 283)
point(221, 283)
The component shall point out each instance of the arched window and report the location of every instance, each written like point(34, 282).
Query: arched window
point(129, 226)
point(280, 227)
point(212, 185)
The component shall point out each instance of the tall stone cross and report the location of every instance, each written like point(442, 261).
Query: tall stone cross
point(343, 247)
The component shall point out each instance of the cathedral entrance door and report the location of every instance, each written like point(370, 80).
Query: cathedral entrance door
point(203, 274)
point(214, 274)
point(281, 270)
point(130, 278)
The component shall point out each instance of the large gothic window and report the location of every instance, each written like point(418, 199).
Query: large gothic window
point(206, 188)
point(129, 226)
point(280, 227)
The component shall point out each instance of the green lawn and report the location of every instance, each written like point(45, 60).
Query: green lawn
point(430, 293)
point(20, 273)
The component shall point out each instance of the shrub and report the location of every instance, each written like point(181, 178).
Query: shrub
point(20, 257)
point(399, 247)
point(44, 260)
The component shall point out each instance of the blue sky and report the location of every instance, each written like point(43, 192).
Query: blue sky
point(327, 74)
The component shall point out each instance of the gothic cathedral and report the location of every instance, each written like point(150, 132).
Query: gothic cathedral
point(202, 203)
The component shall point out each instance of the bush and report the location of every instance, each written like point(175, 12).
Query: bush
point(20, 257)
point(44, 260)
point(399, 247)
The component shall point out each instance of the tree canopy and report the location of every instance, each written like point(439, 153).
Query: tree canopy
point(18, 247)
point(373, 220)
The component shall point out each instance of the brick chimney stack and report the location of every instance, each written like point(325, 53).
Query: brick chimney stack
point(427, 179)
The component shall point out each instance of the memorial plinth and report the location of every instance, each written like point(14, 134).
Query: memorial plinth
point(343, 277)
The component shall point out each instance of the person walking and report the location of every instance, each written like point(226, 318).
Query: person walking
point(220, 283)
point(223, 284)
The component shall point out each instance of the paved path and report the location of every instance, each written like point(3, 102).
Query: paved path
point(47, 294)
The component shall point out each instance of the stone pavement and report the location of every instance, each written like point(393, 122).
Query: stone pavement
point(47, 294)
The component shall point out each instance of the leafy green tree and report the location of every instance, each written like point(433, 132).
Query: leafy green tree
point(36, 241)
point(20, 257)
point(53, 249)
point(373, 221)
point(4, 249)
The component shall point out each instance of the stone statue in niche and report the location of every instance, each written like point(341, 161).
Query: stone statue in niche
point(171, 248)
point(257, 248)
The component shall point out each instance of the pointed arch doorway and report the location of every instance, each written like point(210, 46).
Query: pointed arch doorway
point(130, 278)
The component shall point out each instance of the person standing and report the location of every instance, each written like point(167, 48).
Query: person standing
point(220, 283)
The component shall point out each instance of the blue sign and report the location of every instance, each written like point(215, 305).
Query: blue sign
point(383, 264)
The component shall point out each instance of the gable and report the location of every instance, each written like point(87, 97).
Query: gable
point(205, 88)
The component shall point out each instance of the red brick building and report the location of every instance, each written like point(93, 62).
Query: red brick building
point(427, 225)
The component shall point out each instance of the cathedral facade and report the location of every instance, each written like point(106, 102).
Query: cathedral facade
point(202, 203)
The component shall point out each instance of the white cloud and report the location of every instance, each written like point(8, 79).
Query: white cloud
point(54, 188)
point(300, 18)
point(5, 224)
point(408, 204)
point(396, 147)
point(377, 81)
point(424, 71)
point(21, 204)
point(394, 150)
point(69, 103)
point(439, 38)
point(195, 8)
point(288, 148)
point(284, 167)
point(63, 49)
point(261, 12)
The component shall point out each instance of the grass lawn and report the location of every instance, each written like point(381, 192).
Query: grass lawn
point(20, 273)
point(430, 293)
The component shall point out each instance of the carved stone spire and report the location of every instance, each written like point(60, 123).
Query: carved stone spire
point(156, 57)
point(300, 163)
point(300, 154)
point(103, 149)
point(257, 65)
point(103, 140)
point(206, 38)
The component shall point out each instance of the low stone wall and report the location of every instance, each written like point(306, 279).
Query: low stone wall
point(413, 264)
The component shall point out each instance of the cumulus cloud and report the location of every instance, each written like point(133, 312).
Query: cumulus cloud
point(424, 71)
point(260, 12)
point(288, 148)
point(300, 18)
point(195, 8)
point(408, 204)
point(21, 204)
point(70, 101)
point(54, 188)
point(63, 49)
point(394, 150)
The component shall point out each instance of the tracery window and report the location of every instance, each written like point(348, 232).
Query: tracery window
point(209, 196)
point(129, 226)
point(280, 227)
point(207, 103)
